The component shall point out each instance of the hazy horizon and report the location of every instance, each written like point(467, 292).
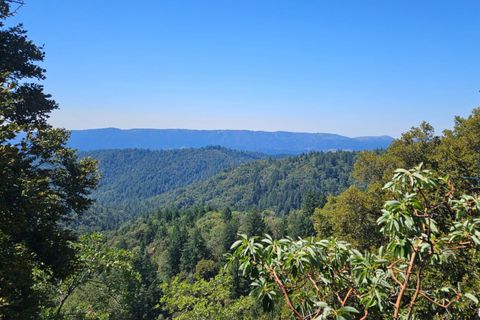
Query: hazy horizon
point(226, 129)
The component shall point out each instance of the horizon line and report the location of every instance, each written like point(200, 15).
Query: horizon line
point(247, 130)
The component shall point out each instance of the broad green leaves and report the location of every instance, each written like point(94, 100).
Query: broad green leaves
point(328, 279)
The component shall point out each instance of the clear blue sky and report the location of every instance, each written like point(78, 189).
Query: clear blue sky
point(347, 67)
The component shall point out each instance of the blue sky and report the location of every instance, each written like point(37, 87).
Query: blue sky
point(348, 67)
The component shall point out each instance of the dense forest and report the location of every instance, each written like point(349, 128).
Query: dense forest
point(277, 185)
point(129, 176)
point(137, 181)
point(140, 174)
point(214, 233)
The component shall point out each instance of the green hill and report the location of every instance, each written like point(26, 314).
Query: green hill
point(277, 185)
point(130, 176)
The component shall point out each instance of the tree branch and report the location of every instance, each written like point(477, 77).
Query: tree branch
point(404, 285)
point(347, 296)
point(415, 295)
point(285, 294)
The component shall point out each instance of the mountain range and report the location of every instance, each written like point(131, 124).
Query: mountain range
point(280, 142)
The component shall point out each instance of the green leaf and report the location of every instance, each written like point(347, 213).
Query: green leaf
point(348, 309)
point(471, 297)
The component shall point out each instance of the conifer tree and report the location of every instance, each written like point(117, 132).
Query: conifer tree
point(42, 182)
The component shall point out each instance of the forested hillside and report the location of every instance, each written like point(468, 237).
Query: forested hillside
point(139, 174)
point(278, 185)
point(178, 239)
point(136, 181)
point(130, 175)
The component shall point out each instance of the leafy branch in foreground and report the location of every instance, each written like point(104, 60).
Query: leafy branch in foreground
point(97, 287)
point(427, 226)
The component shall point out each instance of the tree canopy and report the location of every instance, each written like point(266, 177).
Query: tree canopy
point(429, 227)
point(42, 182)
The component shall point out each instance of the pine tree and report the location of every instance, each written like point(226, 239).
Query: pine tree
point(193, 251)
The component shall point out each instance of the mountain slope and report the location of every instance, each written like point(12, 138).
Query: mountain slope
point(279, 185)
point(260, 141)
point(132, 175)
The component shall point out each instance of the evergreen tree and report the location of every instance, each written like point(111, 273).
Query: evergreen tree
point(42, 183)
point(253, 224)
point(174, 250)
point(229, 233)
point(193, 251)
point(143, 303)
point(299, 224)
point(227, 214)
point(311, 201)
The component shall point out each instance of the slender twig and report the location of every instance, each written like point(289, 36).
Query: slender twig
point(314, 283)
point(404, 285)
point(392, 273)
point(338, 297)
point(365, 315)
point(441, 305)
point(19, 3)
point(347, 296)
point(415, 295)
point(70, 290)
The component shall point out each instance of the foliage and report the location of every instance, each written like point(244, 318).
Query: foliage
point(428, 227)
point(101, 285)
point(458, 152)
point(205, 299)
point(455, 153)
point(421, 263)
point(42, 182)
point(278, 185)
point(132, 175)
point(194, 241)
point(140, 181)
point(353, 215)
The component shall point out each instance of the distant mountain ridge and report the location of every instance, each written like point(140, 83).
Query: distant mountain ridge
point(280, 142)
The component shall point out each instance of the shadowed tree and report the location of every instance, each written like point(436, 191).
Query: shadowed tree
point(42, 182)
